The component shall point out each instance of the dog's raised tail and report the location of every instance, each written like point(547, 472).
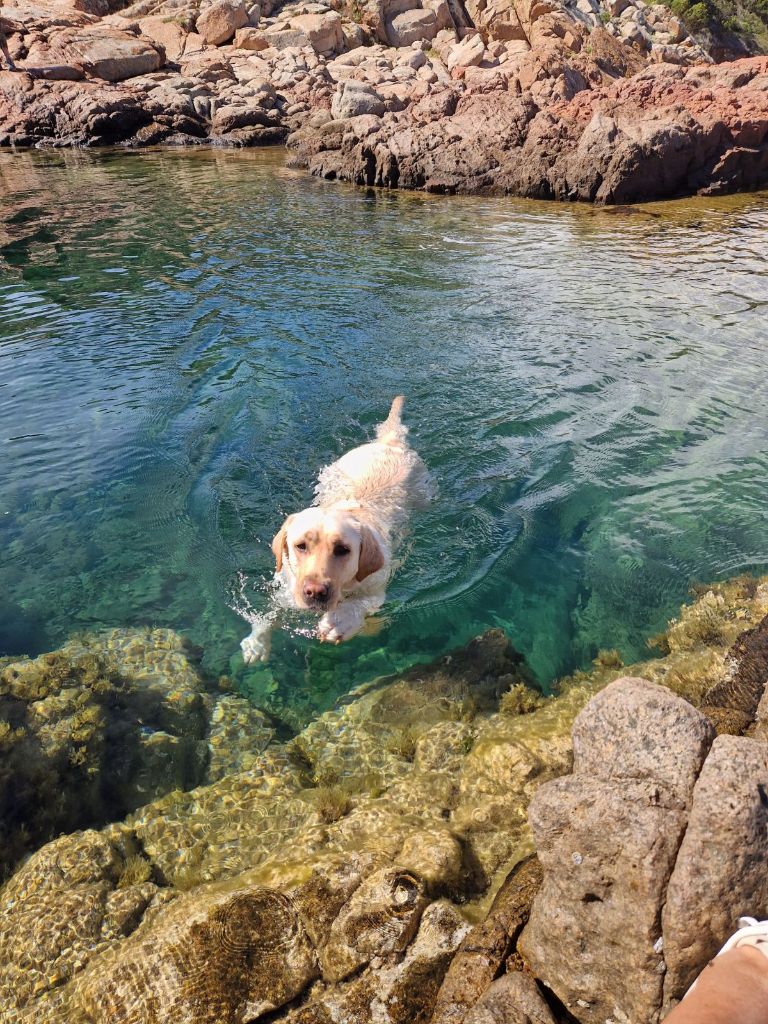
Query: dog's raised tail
point(392, 430)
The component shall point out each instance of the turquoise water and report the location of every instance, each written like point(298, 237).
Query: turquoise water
point(185, 338)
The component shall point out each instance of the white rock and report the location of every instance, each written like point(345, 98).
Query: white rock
point(414, 59)
point(468, 53)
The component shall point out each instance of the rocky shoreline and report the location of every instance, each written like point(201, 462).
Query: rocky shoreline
point(608, 101)
point(447, 845)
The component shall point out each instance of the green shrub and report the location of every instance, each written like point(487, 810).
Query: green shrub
point(697, 17)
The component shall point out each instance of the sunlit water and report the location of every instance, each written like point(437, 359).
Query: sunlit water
point(186, 338)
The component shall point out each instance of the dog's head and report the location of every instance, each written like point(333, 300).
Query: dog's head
point(327, 551)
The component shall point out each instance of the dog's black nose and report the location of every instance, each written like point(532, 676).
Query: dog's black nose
point(318, 592)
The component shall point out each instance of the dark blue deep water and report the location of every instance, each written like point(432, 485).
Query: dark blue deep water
point(186, 338)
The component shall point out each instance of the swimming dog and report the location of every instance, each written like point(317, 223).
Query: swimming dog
point(335, 558)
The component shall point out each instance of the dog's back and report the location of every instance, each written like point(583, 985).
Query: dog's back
point(385, 476)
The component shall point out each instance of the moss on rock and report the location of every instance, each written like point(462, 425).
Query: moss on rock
point(419, 783)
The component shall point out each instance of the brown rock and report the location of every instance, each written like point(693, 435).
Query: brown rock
point(400, 989)
point(607, 838)
point(485, 949)
point(106, 53)
point(720, 871)
point(324, 31)
point(167, 33)
point(250, 39)
point(512, 999)
point(568, 130)
point(746, 678)
point(381, 917)
point(212, 957)
point(218, 23)
point(496, 19)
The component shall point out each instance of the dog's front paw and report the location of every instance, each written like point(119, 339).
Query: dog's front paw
point(337, 626)
point(255, 647)
point(329, 632)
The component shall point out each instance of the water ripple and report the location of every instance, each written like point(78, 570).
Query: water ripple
point(186, 338)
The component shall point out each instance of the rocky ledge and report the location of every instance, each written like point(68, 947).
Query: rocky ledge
point(379, 867)
point(602, 100)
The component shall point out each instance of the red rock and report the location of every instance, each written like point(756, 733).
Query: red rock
point(666, 132)
point(166, 33)
point(104, 53)
point(219, 22)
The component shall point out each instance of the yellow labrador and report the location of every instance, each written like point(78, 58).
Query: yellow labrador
point(335, 558)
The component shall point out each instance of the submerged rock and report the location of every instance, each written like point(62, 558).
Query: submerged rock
point(70, 902)
point(484, 951)
point(95, 729)
point(744, 682)
point(210, 957)
point(376, 869)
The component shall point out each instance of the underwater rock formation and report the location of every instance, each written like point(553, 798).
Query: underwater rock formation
point(595, 100)
point(94, 730)
point(483, 953)
point(377, 868)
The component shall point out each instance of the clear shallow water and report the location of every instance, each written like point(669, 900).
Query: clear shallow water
point(185, 338)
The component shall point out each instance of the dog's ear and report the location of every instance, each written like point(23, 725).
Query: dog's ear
point(279, 544)
point(371, 555)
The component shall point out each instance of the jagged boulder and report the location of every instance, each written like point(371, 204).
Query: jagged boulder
point(218, 23)
point(511, 999)
point(719, 873)
point(324, 31)
point(607, 837)
point(411, 26)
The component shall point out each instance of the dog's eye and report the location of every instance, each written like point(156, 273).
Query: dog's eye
point(340, 550)
point(301, 546)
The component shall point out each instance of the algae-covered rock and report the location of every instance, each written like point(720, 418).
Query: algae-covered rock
point(381, 917)
point(62, 909)
point(238, 733)
point(91, 731)
point(211, 956)
point(400, 989)
point(365, 848)
point(369, 884)
point(484, 950)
